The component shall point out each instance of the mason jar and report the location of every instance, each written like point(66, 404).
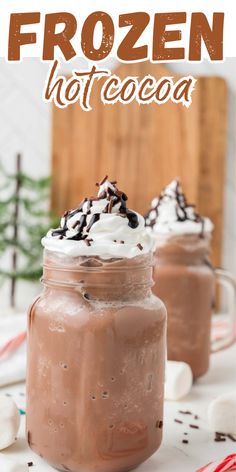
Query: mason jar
point(185, 280)
point(96, 355)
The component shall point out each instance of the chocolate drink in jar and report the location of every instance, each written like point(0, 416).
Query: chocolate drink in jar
point(96, 345)
point(183, 275)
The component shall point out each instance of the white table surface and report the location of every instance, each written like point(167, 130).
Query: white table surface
point(173, 456)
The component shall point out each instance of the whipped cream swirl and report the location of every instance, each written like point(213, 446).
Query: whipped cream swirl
point(172, 214)
point(101, 226)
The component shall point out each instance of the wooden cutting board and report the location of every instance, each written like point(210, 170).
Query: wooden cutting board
point(144, 147)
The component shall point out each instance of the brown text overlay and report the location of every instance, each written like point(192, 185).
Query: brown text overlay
point(165, 28)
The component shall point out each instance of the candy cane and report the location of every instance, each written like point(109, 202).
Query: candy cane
point(229, 463)
point(12, 344)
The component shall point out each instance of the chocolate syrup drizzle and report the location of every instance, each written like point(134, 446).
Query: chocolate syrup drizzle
point(181, 208)
point(113, 196)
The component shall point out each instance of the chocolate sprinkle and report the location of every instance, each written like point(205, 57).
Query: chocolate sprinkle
point(140, 246)
point(185, 441)
point(220, 439)
point(30, 464)
point(185, 412)
point(88, 241)
point(194, 426)
point(178, 421)
point(103, 180)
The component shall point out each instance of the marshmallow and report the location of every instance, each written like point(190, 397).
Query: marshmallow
point(9, 421)
point(178, 381)
point(222, 414)
point(7, 465)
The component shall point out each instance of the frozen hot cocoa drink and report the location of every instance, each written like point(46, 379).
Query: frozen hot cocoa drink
point(96, 342)
point(183, 275)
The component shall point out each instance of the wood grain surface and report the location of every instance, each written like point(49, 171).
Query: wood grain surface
point(143, 147)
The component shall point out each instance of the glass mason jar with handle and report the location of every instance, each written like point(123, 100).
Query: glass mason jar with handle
point(96, 352)
point(185, 279)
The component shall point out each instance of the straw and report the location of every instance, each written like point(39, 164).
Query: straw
point(229, 463)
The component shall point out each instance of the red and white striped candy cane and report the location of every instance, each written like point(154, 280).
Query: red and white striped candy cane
point(229, 463)
point(12, 345)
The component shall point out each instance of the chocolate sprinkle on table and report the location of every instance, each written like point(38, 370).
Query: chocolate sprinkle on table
point(220, 437)
point(140, 246)
point(194, 426)
point(178, 421)
point(185, 412)
point(185, 441)
point(30, 464)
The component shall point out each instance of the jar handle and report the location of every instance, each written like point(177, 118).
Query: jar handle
point(228, 281)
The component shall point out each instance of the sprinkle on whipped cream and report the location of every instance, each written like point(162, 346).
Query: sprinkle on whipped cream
point(101, 226)
point(171, 213)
